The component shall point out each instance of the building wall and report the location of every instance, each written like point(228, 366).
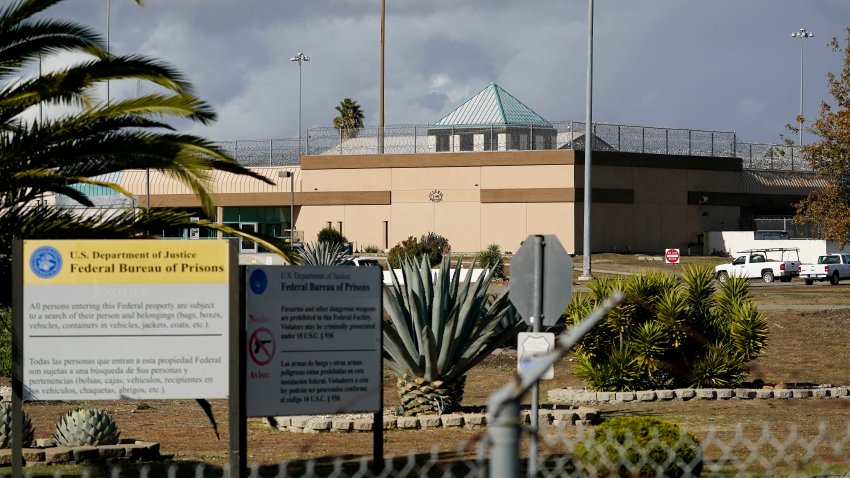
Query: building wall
point(644, 203)
point(641, 203)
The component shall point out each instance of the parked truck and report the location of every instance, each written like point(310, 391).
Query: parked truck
point(781, 263)
point(832, 267)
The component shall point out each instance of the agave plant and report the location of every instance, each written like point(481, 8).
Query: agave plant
point(6, 427)
point(321, 253)
point(86, 427)
point(439, 328)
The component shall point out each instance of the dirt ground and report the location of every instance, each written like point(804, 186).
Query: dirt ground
point(805, 346)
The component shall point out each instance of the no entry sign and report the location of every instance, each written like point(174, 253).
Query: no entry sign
point(671, 256)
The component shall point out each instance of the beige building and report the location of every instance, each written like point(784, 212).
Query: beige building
point(493, 172)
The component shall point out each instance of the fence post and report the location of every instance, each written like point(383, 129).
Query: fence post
point(619, 146)
point(503, 404)
point(340, 141)
point(689, 142)
point(751, 155)
point(792, 158)
point(306, 145)
point(642, 139)
point(270, 151)
point(712, 144)
point(414, 139)
point(666, 140)
point(734, 145)
point(236, 149)
point(531, 137)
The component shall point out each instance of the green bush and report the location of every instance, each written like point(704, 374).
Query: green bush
point(436, 246)
point(433, 245)
point(668, 332)
point(408, 247)
point(330, 234)
point(492, 256)
point(639, 447)
point(371, 249)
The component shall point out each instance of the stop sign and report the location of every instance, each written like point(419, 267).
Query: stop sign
point(671, 256)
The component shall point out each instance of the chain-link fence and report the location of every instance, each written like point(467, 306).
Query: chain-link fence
point(265, 152)
point(780, 227)
point(424, 139)
point(569, 451)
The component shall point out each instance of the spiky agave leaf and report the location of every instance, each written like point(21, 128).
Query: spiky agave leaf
point(6, 427)
point(322, 253)
point(440, 327)
point(86, 427)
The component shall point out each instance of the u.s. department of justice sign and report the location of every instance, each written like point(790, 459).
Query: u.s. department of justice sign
point(124, 319)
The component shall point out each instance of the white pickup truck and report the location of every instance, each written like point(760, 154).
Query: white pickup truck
point(767, 264)
point(832, 267)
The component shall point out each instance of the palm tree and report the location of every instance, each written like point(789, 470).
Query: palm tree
point(49, 157)
point(350, 118)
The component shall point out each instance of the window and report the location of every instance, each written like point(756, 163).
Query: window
point(443, 143)
point(740, 260)
point(466, 142)
point(757, 258)
point(386, 235)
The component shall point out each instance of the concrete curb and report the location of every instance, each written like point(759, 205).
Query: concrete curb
point(305, 424)
point(572, 396)
point(129, 450)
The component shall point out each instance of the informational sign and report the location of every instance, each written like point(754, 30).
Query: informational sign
point(671, 256)
point(314, 340)
point(557, 279)
point(125, 319)
point(531, 345)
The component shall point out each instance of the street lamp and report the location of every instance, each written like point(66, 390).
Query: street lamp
point(586, 272)
point(802, 34)
point(299, 58)
point(291, 176)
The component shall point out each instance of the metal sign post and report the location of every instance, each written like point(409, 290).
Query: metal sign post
point(541, 284)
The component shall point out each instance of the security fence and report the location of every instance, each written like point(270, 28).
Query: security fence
point(426, 139)
point(569, 451)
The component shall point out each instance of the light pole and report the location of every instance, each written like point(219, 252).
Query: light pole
point(299, 58)
point(291, 176)
point(586, 271)
point(802, 34)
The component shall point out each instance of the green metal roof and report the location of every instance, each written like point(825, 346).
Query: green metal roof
point(492, 106)
point(98, 190)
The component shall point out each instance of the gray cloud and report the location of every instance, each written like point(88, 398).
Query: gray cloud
point(724, 65)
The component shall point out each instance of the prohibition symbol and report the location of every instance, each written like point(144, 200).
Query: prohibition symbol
point(261, 346)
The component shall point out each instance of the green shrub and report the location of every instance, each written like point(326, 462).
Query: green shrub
point(436, 246)
point(639, 447)
point(668, 332)
point(433, 245)
point(330, 234)
point(408, 247)
point(371, 249)
point(492, 256)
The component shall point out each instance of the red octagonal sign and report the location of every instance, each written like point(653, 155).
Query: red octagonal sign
point(671, 256)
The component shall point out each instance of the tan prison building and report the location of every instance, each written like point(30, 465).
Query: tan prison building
point(493, 171)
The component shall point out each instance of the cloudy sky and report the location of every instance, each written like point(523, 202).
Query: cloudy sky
point(726, 65)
